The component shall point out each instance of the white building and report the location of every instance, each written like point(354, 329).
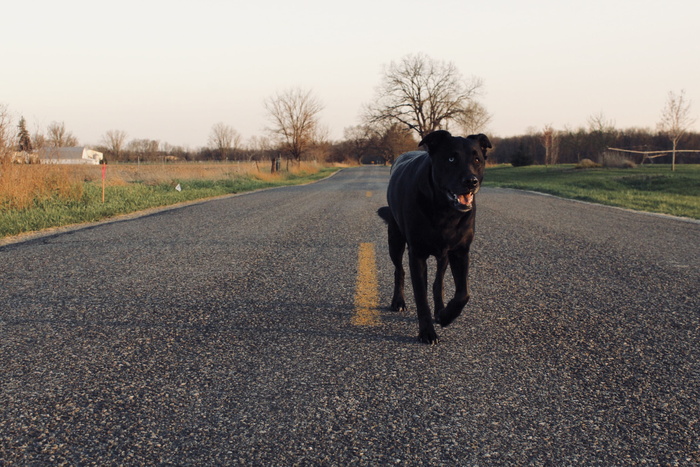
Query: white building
point(75, 155)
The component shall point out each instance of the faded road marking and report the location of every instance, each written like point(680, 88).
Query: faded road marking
point(366, 289)
point(368, 194)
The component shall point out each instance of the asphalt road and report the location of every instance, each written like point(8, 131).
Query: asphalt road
point(226, 333)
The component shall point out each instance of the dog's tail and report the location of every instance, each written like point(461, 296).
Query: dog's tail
point(385, 213)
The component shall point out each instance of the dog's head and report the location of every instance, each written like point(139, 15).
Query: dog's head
point(458, 166)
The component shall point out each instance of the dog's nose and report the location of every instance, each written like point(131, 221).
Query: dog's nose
point(470, 182)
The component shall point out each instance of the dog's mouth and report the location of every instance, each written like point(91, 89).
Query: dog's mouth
point(463, 202)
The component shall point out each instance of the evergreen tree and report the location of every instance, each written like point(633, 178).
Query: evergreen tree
point(25, 141)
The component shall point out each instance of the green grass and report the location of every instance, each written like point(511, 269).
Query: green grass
point(652, 188)
point(130, 198)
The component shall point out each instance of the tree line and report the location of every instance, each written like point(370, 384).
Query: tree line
point(572, 146)
point(595, 143)
point(416, 95)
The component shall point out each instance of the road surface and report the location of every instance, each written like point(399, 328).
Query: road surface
point(253, 330)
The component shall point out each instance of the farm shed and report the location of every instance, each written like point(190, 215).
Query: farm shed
point(74, 155)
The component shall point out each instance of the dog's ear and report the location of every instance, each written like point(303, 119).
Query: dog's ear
point(433, 140)
point(483, 141)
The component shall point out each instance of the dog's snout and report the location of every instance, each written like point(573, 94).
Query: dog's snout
point(470, 182)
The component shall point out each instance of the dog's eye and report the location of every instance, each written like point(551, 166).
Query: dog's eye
point(477, 162)
point(451, 159)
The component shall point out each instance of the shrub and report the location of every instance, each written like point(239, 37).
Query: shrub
point(616, 161)
point(587, 164)
point(520, 158)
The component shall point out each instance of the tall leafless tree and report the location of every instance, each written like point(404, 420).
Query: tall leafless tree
point(359, 139)
point(294, 117)
point(144, 149)
point(38, 138)
point(224, 139)
point(550, 141)
point(675, 120)
point(600, 123)
point(424, 95)
point(475, 119)
point(59, 137)
point(6, 134)
point(602, 134)
point(262, 147)
point(115, 141)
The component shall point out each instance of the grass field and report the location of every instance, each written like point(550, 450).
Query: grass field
point(653, 188)
point(36, 197)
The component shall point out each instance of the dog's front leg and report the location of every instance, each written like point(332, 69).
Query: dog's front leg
point(419, 279)
point(438, 285)
point(459, 263)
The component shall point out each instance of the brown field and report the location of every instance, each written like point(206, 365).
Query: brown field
point(22, 185)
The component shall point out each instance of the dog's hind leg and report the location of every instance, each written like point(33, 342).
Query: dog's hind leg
point(438, 285)
point(397, 246)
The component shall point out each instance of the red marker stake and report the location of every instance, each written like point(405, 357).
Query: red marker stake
point(104, 172)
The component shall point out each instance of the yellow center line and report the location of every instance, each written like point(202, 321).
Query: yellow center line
point(366, 289)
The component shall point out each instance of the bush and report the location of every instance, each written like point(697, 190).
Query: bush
point(616, 161)
point(520, 158)
point(587, 164)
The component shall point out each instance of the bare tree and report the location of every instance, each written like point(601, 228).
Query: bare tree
point(224, 138)
point(384, 139)
point(602, 134)
point(475, 119)
point(261, 147)
point(115, 141)
point(675, 120)
point(423, 94)
point(6, 134)
point(550, 140)
point(144, 149)
point(294, 117)
point(360, 140)
point(38, 138)
point(59, 137)
point(395, 140)
point(600, 123)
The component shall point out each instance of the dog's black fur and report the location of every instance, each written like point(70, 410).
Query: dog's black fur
point(431, 209)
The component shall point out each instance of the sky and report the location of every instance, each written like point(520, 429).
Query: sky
point(170, 70)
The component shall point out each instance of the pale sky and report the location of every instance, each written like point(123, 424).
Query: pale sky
point(169, 70)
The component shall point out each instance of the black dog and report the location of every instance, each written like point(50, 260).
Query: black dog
point(431, 208)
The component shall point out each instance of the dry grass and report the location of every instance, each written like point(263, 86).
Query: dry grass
point(22, 186)
point(587, 164)
point(616, 161)
point(154, 174)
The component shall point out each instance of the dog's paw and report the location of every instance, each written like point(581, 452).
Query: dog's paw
point(446, 316)
point(428, 336)
point(398, 304)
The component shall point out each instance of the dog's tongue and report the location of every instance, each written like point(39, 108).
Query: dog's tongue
point(466, 199)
